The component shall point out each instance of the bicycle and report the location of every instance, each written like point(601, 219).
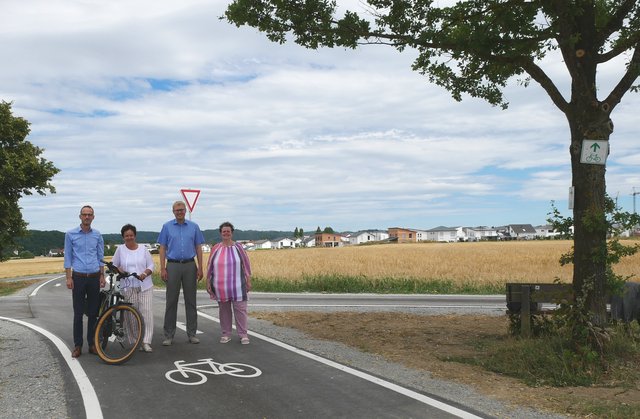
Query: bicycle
point(120, 325)
point(189, 376)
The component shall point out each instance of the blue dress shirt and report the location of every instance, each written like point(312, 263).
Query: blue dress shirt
point(180, 240)
point(83, 252)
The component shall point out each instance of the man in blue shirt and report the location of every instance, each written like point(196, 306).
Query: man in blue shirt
point(180, 242)
point(83, 254)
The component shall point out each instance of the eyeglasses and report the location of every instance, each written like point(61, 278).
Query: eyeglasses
point(179, 210)
point(87, 215)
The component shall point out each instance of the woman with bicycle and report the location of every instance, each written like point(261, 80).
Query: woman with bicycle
point(135, 258)
point(229, 282)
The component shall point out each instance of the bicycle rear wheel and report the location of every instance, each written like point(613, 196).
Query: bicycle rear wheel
point(118, 333)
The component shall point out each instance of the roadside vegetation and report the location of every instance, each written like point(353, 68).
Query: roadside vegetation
point(8, 288)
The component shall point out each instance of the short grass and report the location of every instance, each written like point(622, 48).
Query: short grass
point(549, 362)
point(7, 288)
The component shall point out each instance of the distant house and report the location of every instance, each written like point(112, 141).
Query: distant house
point(328, 240)
point(482, 233)
point(368, 236)
point(521, 231)
point(446, 234)
point(55, 253)
point(402, 235)
point(544, 231)
point(309, 241)
point(422, 235)
point(151, 248)
point(247, 244)
point(284, 243)
point(263, 244)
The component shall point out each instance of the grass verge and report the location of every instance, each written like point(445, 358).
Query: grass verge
point(549, 361)
point(363, 284)
point(7, 288)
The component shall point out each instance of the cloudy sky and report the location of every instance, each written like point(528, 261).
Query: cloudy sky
point(135, 100)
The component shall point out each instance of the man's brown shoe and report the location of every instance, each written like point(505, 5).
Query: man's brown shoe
point(92, 350)
point(77, 351)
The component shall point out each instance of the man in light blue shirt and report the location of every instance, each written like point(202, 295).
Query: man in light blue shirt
point(83, 254)
point(180, 242)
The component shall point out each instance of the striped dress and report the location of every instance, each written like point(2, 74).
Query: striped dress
point(227, 271)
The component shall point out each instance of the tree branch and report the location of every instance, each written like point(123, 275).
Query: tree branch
point(546, 83)
point(626, 82)
point(619, 49)
point(616, 21)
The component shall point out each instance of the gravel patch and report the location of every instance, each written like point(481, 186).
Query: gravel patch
point(31, 378)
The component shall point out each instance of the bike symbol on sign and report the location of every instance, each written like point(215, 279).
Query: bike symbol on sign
point(190, 375)
point(593, 158)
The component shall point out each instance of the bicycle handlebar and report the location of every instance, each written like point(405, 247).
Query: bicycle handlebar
point(121, 274)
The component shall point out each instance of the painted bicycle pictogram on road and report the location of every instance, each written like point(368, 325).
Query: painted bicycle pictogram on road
point(195, 373)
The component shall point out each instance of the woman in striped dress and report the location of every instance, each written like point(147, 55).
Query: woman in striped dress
point(229, 282)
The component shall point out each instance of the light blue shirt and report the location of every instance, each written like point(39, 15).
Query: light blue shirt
point(180, 240)
point(83, 252)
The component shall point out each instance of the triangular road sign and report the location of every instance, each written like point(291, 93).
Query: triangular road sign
point(191, 197)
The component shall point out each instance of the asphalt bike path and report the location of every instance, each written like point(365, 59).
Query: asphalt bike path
point(265, 379)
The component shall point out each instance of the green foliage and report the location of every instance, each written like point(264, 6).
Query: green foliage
point(328, 230)
point(590, 340)
point(614, 223)
point(40, 242)
point(362, 284)
point(575, 349)
point(298, 233)
point(552, 360)
point(22, 171)
point(25, 254)
point(8, 288)
point(110, 249)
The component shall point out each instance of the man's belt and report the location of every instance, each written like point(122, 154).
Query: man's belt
point(180, 260)
point(86, 275)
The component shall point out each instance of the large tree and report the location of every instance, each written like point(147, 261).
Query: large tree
point(22, 171)
point(477, 47)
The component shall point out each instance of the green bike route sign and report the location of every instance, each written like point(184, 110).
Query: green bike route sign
point(594, 152)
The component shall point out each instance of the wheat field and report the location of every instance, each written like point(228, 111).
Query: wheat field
point(483, 262)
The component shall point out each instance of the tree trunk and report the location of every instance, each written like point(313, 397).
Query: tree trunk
point(589, 216)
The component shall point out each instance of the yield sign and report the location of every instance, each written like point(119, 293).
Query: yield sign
point(191, 197)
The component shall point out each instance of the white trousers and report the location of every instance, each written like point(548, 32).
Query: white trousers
point(142, 300)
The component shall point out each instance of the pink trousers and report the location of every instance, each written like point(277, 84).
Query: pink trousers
point(240, 313)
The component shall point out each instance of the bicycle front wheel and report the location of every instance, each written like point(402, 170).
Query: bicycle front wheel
point(118, 333)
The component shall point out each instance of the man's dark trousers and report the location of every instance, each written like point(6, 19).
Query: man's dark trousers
point(85, 290)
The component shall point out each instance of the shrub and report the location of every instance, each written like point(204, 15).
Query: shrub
point(25, 254)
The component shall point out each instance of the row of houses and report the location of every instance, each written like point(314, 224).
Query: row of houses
point(466, 234)
point(394, 235)
point(410, 235)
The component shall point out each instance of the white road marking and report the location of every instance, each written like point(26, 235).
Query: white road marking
point(35, 291)
point(183, 326)
point(89, 396)
point(391, 386)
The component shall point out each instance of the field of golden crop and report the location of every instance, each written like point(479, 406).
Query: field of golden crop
point(490, 262)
